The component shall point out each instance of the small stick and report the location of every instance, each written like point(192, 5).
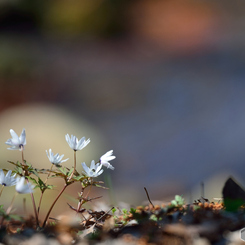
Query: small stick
point(149, 197)
point(104, 214)
point(24, 206)
point(1, 190)
point(202, 189)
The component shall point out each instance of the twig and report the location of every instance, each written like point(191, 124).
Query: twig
point(24, 206)
point(148, 197)
point(202, 189)
point(104, 214)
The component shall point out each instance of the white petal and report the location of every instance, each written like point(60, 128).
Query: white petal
point(98, 167)
point(85, 167)
point(108, 165)
point(100, 172)
point(108, 153)
point(65, 160)
point(14, 135)
point(23, 137)
point(92, 166)
point(81, 141)
point(8, 174)
point(109, 158)
point(1, 176)
point(47, 154)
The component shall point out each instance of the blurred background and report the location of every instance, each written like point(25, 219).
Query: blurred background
point(159, 82)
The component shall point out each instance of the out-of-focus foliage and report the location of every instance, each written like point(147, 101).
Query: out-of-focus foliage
point(14, 60)
point(72, 18)
point(21, 16)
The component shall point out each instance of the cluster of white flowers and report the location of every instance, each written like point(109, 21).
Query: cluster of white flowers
point(95, 169)
point(18, 143)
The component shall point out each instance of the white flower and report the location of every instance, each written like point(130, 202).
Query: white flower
point(94, 170)
point(22, 188)
point(16, 142)
point(7, 180)
point(75, 144)
point(55, 159)
point(104, 160)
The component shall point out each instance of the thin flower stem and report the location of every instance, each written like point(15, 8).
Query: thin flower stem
point(1, 190)
point(56, 199)
point(32, 197)
point(79, 205)
point(9, 208)
point(34, 206)
point(75, 163)
point(81, 202)
point(41, 197)
point(48, 174)
point(24, 206)
point(11, 204)
point(22, 154)
point(39, 205)
point(90, 187)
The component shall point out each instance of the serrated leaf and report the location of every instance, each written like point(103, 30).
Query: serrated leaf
point(79, 178)
point(43, 171)
point(18, 164)
point(70, 172)
point(32, 179)
point(50, 187)
point(100, 186)
point(62, 170)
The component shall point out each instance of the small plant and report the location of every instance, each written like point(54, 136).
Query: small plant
point(178, 201)
point(25, 172)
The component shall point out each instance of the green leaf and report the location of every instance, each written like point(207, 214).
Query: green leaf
point(100, 186)
point(15, 217)
point(132, 210)
point(113, 210)
point(233, 195)
point(2, 211)
point(32, 179)
point(153, 217)
point(232, 205)
point(70, 172)
point(50, 187)
point(174, 202)
point(79, 178)
point(62, 170)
